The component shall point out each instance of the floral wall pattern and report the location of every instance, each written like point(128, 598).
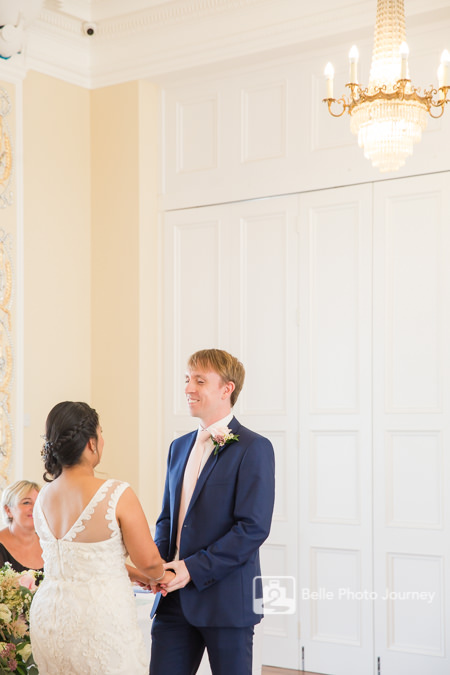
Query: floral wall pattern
point(6, 292)
point(5, 151)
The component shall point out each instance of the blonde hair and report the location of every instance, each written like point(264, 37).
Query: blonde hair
point(224, 364)
point(13, 494)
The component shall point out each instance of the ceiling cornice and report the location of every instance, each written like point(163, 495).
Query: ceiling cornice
point(155, 38)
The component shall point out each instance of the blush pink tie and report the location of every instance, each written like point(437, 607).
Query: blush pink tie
point(191, 474)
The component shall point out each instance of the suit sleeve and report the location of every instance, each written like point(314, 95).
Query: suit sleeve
point(255, 493)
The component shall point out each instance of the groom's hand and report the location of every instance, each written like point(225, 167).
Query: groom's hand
point(182, 576)
point(161, 586)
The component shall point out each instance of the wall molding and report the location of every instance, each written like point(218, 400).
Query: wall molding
point(157, 38)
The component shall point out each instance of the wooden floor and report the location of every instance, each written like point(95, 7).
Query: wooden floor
point(269, 670)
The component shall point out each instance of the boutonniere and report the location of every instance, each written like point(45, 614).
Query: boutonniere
point(221, 436)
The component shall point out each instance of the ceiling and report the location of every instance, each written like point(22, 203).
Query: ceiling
point(100, 42)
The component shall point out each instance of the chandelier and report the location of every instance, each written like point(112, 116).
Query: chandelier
point(389, 114)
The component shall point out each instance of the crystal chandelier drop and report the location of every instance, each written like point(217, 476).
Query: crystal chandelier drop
point(390, 114)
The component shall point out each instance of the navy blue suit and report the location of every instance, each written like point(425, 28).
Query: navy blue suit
point(227, 520)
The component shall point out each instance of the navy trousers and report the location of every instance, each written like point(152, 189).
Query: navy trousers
point(178, 646)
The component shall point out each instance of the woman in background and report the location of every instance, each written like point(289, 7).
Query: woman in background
point(19, 543)
point(83, 617)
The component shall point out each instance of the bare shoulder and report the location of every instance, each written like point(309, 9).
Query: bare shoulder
point(74, 488)
point(128, 498)
point(129, 508)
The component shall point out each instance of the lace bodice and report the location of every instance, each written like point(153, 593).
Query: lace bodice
point(83, 616)
point(73, 556)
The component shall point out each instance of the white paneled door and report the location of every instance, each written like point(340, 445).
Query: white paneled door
point(338, 303)
point(412, 424)
point(335, 383)
point(231, 282)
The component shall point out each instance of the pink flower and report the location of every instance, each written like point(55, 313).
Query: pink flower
point(27, 580)
point(12, 665)
point(219, 434)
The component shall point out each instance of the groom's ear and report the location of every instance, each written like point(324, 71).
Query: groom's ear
point(228, 389)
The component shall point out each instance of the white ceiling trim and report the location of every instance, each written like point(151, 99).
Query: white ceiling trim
point(160, 37)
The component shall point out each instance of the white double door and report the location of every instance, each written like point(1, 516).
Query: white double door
point(337, 303)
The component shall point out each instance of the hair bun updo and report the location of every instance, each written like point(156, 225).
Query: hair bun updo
point(69, 427)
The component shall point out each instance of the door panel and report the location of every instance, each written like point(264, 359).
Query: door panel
point(335, 538)
point(231, 282)
point(411, 424)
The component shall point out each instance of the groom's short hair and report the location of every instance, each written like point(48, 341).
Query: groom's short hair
point(224, 364)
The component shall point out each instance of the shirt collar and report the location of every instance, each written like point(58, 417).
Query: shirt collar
point(220, 423)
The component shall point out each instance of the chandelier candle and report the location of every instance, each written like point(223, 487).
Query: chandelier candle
point(404, 53)
point(353, 57)
point(329, 74)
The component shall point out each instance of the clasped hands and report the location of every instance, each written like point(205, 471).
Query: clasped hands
point(177, 576)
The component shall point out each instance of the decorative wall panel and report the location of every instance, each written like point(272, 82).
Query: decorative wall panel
point(196, 286)
point(274, 563)
point(336, 579)
point(413, 302)
point(335, 477)
point(264, 296)
point(415, 469)
point(264, 136)
point(415, 595)
point(197, 135)
point(334, 308)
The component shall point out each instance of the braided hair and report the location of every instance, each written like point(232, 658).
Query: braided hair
point(68, 429)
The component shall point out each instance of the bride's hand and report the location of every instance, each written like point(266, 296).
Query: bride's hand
point(161, 586)
point(137, 577)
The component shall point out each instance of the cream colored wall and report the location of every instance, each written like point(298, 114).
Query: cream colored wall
point(91, 269)
point(124, 128)
point(57, 253)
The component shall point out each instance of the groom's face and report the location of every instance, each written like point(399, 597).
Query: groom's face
point(207, 395)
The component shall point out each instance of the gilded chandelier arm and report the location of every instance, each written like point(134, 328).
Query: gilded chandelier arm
point(440, 103)
point(339, 101)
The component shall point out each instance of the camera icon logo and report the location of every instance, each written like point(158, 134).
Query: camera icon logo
point(278, 595)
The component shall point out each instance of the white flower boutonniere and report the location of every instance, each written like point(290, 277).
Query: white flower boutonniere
point(221, 436)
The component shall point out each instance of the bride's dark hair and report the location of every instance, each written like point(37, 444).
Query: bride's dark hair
point(68, 428)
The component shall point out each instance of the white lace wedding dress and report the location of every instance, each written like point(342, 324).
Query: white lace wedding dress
point(83, 617)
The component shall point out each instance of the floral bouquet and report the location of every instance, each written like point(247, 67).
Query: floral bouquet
point(16, 593)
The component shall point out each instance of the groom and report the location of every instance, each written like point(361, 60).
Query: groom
point(216, 513)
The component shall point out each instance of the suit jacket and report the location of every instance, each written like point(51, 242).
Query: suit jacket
point(227, 520)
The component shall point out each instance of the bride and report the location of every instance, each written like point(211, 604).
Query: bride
point(83, 616)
